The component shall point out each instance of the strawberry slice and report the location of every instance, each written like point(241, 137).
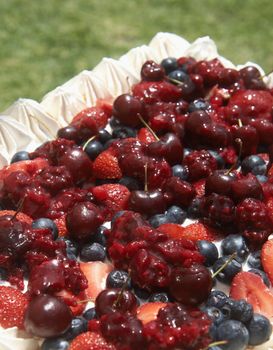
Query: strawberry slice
point(148, 312)
point(114, 196)
point(13, 304)
point(96, 274)
point(196, 231)
point(106, 166)
point(249, 286)
point(90, 341)
point(145, 136)
point(19, 216)
point(267, 259)
point(99, 114)
point(77, 303)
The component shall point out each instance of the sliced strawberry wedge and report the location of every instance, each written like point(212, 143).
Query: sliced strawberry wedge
point(19, 216)
point(249, 286)
point(76, 303)
point(148, 312)
point(267, 259)
point(96, 274)
point(90, 341)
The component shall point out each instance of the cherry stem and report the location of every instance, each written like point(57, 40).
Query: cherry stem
point(216, 343)
point(234, 166)
point(89, 140)
point(148, 127)
point(146, 177)
point(224, 265)
point(172, 80)
point(117, 301)
point(44, 125)
point(20, 206)
point(240, 123)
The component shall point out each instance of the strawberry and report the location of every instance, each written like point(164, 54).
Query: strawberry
point(106, 166)
point(199, 187)
point(249, 286)
point(90, 341)
point(60, 222)
point(145, 136)
point(13, 304)
point(99, 114)
point(19, 216)
point(114, 196)
point(77, 303)
point(148, 312)
point(195, 232)
point(267, 258)
point(96, 274)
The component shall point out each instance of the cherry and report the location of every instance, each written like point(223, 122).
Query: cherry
point(83, 220)
point(69, 132)
point(247, 186)
point(127, 108)
point(219, 182)
point(196, 121)
point(147, 202)
point(228, 76)
point(111, 300)
point(190, 285)
point(181, 192)
point(200, 164)
point(264, 129)
point(252, 78)
point(47, 316)
point(249, 137)
point(152, 71)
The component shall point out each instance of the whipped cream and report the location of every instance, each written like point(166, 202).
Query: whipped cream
point(13, 339)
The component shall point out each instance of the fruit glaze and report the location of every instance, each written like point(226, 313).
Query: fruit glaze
point(146, 222)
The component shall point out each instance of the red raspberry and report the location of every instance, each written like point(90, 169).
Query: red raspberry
point(200, 164)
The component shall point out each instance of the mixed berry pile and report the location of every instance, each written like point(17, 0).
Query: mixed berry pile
point(192, 140)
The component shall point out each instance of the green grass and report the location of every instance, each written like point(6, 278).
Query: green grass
point(44, 43)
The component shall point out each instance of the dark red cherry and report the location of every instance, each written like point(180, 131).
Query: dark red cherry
point(152, 71)
point(69, 132)
point(228, 76)
point(214, 135)
point(190, 285)
point(47, 316)
point(219, 182)
point(247, 186)
point(127, 108)
point(111, 300)
point(181, 192)
point(264, 129)
point(249, 137)
point(252, 78)
point(147, 202)
point(196, 121)
point(83, 220)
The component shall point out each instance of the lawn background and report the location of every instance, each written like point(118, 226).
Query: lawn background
point(44, 43)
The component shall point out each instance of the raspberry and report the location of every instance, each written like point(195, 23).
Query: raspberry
point(200, 164)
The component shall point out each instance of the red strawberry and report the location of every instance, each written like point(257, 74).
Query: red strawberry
point(148, 312)
point(249, 286)
point(267, 258)
point(99, 115)
point(199, 187)
point(96, 274)
point(145, 136)
point(106, 166)
point(19, 216)
point(60, 222)
point(77, 303)
point(13, 304)
point(114, 196)
point(90, 341)
point(196, 231)
point(105, 106)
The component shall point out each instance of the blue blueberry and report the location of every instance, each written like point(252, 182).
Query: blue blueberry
point(176, 215)
point(194, 208)
point(141, 293)
point(235, 333)
point(46, 223)
point(262, 274)
point(90, 314)
point(209, 251)
point(180, 171)
point(198, 105)
point(235, 244)
point(215, 314)
point(254, 260)
point(123, 132)
point(217, 298)
point(227, 274)
point(131, 183)
point(158, 219)
point(104, 136)
point(260, 329)
point(93, 252)
point(161, 297)
point(179, 75)
point(227, 308)
point(169, 64)
point(99, 236)
point(21, 155)
point(117, 279)
point(78, 326)
point(252, 164)
point(93, 149)
point(241, 311)
point(55, 344)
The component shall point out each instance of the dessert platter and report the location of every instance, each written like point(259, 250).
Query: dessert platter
point(137, 206)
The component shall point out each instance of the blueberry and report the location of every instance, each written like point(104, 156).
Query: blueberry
point(71, 246)
point(250, 163)
point(104, 136)
point(21, 155)
point(179, 75)
point(235, 244)
point(46, 223)
point(254, 260)
point(108, 143)
point(235, 333)
point(219, 159)
point(194, 208)
point(93, 252)
point(116, 216)
point(158, 219)
point(169, 64)
point(259, 329)
point(260, 170)
point(217, 298)
point(180, 171)
point(262, 178)
point(161, 297)
point(3, 274)
point(123, 132)
point(198, 105)
point(215, 314)
point(78, 326)
point(93, 149)
point(99, 236)
point(55, 344)
point(117, 279)
point(227, 274)
point(176, 215)
point(262, 274)
point(90, 314)
point(131, 183)
point(209, 251)
point(114, 122)
point(141, 293)
point(241, 311)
